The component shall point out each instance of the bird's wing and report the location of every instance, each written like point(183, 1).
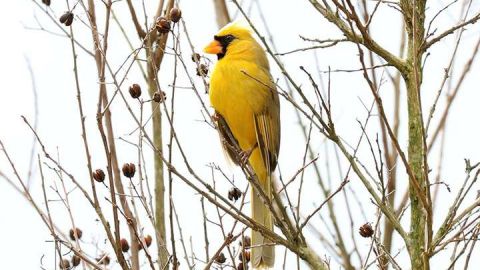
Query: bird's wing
point(267, 129)
point(229, 142)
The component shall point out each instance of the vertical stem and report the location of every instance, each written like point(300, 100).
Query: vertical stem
point(221, 11)
point(108, 139)
point(415, 160)
point(414, 15)
point(155, 48)
point(158, 167)
point(391, 160)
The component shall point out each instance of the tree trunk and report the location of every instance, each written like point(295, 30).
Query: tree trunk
point(158, 167)
point(414, 16)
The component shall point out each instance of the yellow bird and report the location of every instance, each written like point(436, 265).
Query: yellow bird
point(248, 112)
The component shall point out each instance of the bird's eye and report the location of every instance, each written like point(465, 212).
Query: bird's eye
point(229, 38)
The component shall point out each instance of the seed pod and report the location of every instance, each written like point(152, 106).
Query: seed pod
point(104, 259)
point(135, 90)
point(175, 14)
point(75, 234)
point(69, 21)
point(162, 25)
point(244, 256)
point(234, 194)
point(246, 242)
point(98, 175)
point(46, 2)
point(220, 258)
point(64, 17)
point(148, 240)
point(75, 260)
point(124, 245)
point(242, 266)
point(64, 264)
point(67, 18)
point(128, 170)
point(195, 57)
point(159, 96)
point(366, 230)
point(202, 70)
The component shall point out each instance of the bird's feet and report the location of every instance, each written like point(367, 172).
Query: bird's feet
point(245, 155)
point(216, 116)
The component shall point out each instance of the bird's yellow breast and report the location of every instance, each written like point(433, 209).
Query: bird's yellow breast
point(238, 91)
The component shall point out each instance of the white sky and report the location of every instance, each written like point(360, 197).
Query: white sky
point(25, 239)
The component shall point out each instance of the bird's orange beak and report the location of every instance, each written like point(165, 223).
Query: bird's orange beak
point(213, 48)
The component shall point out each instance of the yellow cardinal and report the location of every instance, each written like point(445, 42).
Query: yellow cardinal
point(248, 111)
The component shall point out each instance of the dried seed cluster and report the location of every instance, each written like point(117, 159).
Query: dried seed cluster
point(75, 260)
point(159, 96)
point(245, 242)
point(366, 230)
point(220, 258)
point(67, 18)
point(98, 175)
point(244, 256)
point(242, 266)
point(75, 233)
point(202, 70)
point(163, 24)
point(103, 259)
point(234, 194)
point(135, 90)
point(128, 170)
point(175, 14)
point(195, 57)
point(64, 264)
point(124, 245)
point(148, 240)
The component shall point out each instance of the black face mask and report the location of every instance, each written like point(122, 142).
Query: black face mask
point(224, 41)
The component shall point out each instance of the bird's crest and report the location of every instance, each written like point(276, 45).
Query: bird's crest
point(239, 29)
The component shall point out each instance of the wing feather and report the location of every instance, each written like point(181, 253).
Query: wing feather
point(267, 128)
point(229, 142)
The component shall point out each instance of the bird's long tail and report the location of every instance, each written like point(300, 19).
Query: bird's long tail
point(262, 251)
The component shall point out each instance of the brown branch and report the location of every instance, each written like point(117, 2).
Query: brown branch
point(436, 39)
point(221, 13)
point(108, 138)
point(228, 240)
point(155, 50)
point(307, 219)
point(363, 39)
point(140, 32)
point(55, 232)
point(329, 43)
point(95, 202)
point(332, 136)
point(451, 96)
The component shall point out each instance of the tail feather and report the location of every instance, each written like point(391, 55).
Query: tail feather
point(263, 251)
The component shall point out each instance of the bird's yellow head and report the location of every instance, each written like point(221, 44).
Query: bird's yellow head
point(234, 39)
